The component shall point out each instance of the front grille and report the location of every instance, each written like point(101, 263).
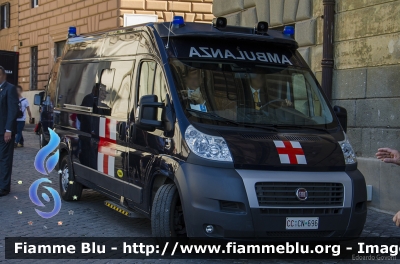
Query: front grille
point(301, 211)
point(260, 137)
point(302, 138)
point(284, 194)
point(302, 234)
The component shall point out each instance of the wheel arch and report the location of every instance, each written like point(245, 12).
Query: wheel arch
point(64, 150)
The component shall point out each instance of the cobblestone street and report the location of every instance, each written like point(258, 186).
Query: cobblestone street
point(91, 218)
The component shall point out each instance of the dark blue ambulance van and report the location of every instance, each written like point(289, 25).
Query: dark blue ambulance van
point(208, 130)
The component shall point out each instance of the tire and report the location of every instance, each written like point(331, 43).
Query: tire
point(68, 191)
point(167, 214)
point(42, 141)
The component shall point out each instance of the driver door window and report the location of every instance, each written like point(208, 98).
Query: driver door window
point(152, 81)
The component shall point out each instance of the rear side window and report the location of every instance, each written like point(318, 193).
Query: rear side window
point(115, 89)
point(76, 82)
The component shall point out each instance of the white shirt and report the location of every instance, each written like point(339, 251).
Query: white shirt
point(24, 105)
point(198, 107)
point(253, 91)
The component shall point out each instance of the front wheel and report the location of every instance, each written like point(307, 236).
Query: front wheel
point(167, 213)
point(70, 189)
point(42, 141)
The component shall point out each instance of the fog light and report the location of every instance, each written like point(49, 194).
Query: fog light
point(209, 229)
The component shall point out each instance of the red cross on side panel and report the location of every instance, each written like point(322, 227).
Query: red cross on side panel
point(290, 152)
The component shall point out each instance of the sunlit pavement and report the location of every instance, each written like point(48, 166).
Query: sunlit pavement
point(90, 218)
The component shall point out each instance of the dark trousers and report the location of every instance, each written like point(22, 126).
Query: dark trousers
point(20, 138)
point(6, 161)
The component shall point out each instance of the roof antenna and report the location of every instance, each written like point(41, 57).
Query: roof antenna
point(170, 24)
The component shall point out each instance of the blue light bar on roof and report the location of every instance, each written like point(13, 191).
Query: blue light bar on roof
point(178, 20)
point(288, 30)
point(72, 32)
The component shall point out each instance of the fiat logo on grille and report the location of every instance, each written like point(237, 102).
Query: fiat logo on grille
point(301, 194)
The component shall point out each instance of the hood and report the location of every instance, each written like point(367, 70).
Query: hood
point(284, 151)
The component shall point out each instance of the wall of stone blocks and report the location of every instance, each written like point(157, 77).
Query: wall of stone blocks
point(191, 10)
point(9, 36)
point(367, 83)
point(48, 23)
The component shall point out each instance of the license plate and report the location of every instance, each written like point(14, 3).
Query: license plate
point(302, 222)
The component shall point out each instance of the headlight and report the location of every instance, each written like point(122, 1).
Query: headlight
point(348, 152)
point(206, 146)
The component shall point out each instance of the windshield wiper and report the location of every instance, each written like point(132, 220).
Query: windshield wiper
point(304, 127)
point(223, 119)
point(219, 118)
point(266, 127)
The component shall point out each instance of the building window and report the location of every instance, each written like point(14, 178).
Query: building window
point(35, 3)
point(34, 68)
point(5, 16)
point(58, 48)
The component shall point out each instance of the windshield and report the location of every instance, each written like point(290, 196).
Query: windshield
point(249, 94)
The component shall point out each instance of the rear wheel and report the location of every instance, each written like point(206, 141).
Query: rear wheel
point(70, 189)
point(167, 213)
point(42, 141)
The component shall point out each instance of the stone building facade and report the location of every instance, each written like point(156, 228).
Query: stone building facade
point(38, 28)
point(366, 77)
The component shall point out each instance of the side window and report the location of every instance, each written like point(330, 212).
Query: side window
point(146, 81)
point(121, 88)
point(152, 81)
point(114, 89)
point(105, 92)
point(160, 88)
point(76, 83)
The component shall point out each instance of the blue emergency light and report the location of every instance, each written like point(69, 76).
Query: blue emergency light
point(288, 30)
point(72, 32)
point(178, 22)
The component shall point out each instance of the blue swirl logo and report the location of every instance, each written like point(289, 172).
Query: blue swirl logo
point(45, 152)
point(35, 199)
point(45, 167)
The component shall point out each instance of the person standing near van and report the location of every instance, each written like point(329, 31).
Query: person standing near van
point(8, 127)
point(389, 155)
point(23, 108)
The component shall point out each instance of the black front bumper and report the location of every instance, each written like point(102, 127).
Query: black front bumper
point(218, 197)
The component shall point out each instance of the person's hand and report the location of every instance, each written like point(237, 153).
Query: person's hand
point(396, 219)
point(388, 155)
point(7, 137)
point(197, 97)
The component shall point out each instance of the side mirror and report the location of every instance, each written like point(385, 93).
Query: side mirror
point(146, 113)
point(38, 99)
point(341, 114)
